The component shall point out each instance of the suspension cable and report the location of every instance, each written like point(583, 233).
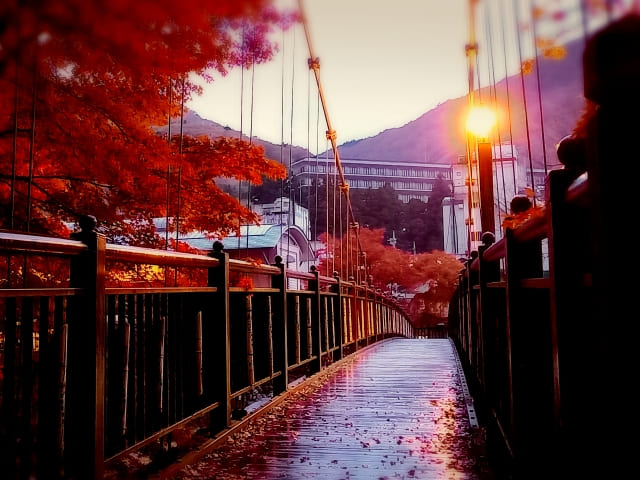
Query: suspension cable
point(317, 177)
point(14, 152)
point(282, 182)
point(292, 186)
point(180, 152)
point(539, 90)
point(334, 216)
point(166, 221)
point(471, 51)
point(253, 75)
point(524, 100)
point(508, 94)
point(493, 95)
point(308, 151)
point(314, 64)
point(242, 63)
point(32, 143)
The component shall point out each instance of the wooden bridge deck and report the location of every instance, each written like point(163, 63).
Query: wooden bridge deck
point(397, 409)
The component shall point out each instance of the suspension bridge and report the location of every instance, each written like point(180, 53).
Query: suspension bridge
point(242, 369)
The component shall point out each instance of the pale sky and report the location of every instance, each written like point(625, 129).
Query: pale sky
point(383, 63)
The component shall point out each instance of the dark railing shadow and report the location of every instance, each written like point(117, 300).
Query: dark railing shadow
point(544, 341)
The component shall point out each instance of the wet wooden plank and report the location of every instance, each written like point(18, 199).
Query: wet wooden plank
point(394, 410)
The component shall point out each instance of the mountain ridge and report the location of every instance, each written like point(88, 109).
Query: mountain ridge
point(194, 125)
point(438, 135)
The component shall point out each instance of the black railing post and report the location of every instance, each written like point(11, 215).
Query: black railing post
point(316, 324)
point(84, 435)
point(571, 340)
point(472, 304)
point(487, 272)
point(367, 312)
point(528, 332)
point(379, 314)
point(218, 335)
point(337, 320)
point(280, 353)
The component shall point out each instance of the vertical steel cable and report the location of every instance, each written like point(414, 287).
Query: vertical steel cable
point(326, 202)
point(331, 134)
point(166, 222)
point(471, 50)
point(253, 74)
point(282, 182)
point(584, 18)
point(32, 142)
point(334, 196)
point(539, 91)
point(314, 235)
point(242, 63)
point(308, 153)
point(292, 193)
point(493, 95)
point(180, 153)
point(14, 159)
point(524, 100)
point(507, 93)
point(168, 196)
point(340, 224)
point(14, 151)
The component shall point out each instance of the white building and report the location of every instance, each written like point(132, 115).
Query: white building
point(509, 179)
point(408, 179)
point(283, 232)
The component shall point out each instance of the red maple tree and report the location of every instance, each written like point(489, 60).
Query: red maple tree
point(432, 277)
point(83, 87)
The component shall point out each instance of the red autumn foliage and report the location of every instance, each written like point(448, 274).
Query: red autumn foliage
point(83, 87)
point(432, 276)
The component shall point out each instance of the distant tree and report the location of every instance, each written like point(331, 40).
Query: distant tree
point(383, 263)
point(386, 264)
point(417, 225)
point(270, 190)
point(434, 228)
point(438, 272)
point(326, 204)
point(414, 223)
point(378, 208)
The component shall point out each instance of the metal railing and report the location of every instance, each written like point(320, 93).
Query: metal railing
point(92, 371)
point(549, 351)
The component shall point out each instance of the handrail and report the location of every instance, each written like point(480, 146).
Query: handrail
point(301, 275)
point(535, 228)
point(577, 193)
point(492, 254)
point(38, 244)
point(151, 256)
point(248, 267)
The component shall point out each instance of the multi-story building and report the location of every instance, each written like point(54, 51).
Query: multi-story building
point(409, 179)
point(416, 180)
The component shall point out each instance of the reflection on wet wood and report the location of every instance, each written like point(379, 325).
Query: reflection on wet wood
point(394, 410)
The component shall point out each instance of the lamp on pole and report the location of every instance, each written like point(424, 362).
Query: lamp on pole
point(480, 121)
